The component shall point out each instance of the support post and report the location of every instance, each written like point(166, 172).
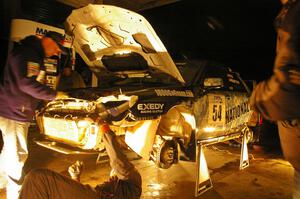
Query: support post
point(203, 181)
point(244, 159)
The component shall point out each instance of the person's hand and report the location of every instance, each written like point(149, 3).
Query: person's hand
point(75, 170)
point(61, 95)
point(294, 76)
point(103, 126)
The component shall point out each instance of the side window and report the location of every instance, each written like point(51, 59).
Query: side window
point(223, 78)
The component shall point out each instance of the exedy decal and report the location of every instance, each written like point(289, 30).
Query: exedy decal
point(150, 107)
point(166, 92)
point(236, 111)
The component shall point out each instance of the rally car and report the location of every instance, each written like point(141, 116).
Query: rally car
point(159, 107)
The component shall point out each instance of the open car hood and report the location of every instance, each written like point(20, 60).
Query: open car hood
point(115, 41)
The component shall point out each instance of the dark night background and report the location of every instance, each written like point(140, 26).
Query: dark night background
point(238, 33)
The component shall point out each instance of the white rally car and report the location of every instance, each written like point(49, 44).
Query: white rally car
point(159, 107)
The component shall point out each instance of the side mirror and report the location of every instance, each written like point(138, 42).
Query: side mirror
point(213, 82)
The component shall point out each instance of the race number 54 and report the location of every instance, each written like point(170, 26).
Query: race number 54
point(217, 112)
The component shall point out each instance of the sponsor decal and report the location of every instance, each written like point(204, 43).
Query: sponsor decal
point(50, 80)
point(236, 111)
point(166, 92)
point(216, 108)
point(217, 99)
point(41, 76)
point(217, 112)
point(50, 65)
point(40, 31)
point(150, 107)
point(33, 69)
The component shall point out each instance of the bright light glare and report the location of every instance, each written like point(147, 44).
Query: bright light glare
point(91, 137)
point(123, 52)
point(83, 123)
point(156, 186)
point(176, 128)
point(189, 118)
point(155, 193)
point(209, 129)
point(107, 99)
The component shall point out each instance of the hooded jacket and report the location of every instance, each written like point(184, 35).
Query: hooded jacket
point(22, 88)
point(278, 98)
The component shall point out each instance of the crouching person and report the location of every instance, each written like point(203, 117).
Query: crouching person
point(125, 183)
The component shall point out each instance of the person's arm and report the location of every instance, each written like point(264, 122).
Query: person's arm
point(29, 85)
point(118, 161)
point(127, 182)
point(278, 98)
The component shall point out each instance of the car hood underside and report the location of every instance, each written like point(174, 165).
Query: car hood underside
point(116, 41)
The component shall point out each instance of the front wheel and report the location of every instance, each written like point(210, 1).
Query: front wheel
point(164, 153)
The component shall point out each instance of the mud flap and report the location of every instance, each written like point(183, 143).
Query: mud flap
point(203, 181)
point(140, 138)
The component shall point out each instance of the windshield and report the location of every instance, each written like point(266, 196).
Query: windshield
point(159, 80)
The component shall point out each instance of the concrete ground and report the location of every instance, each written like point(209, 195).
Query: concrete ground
point(267, 177)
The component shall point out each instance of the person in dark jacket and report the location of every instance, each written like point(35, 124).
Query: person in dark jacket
point(21, 89)
point(124, 183)
point(278, 98)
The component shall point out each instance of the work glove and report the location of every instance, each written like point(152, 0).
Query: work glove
point(75, 170)
point(61, 95)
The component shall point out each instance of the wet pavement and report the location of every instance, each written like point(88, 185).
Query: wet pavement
point(267, 177)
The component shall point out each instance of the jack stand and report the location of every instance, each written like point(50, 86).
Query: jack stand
point(203, 181)
point(244, 160)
